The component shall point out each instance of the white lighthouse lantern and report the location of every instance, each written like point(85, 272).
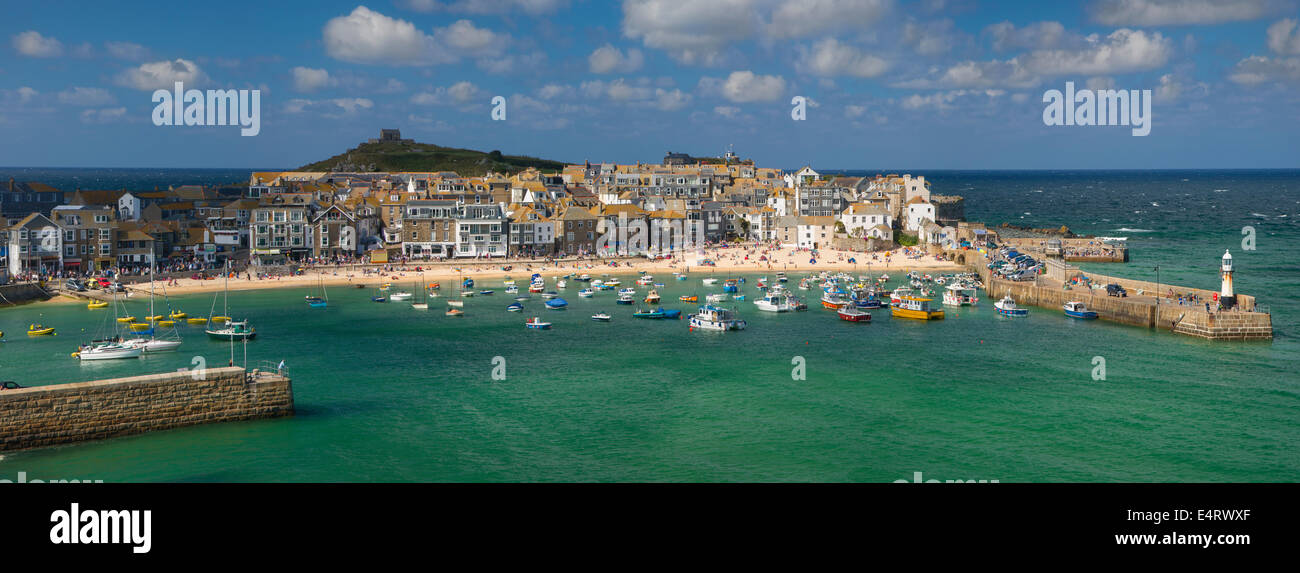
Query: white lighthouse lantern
point(1227, 262)
point(1227, 297)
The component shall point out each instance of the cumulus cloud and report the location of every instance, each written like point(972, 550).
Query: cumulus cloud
point(467, 39)
point(1283, 37)
point(1120, 52)
point(829, 57)
point(1036, 36)
point(311, 79)
point(162, 75)
point(1179, 12)
point(534, 7)
point(943, 101)
point(607, 59)
point(971, 74)
point(690, 32)
point(338, 107)
point(107, 115)
point(1257, 70)
point(456, 94)
point(86, 97)
point(554, 91)
point(368, 37)
point(32, 44)
point(805, 18)
point(745, 86)
point(727, 111)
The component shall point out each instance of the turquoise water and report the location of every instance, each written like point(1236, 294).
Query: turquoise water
point(386, 393)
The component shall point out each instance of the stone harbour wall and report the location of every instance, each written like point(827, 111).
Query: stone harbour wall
point(43, 416)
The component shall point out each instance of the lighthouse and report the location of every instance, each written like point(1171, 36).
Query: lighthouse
point(1227, 298)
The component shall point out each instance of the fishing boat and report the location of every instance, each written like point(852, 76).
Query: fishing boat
point(629, 291)
point(583, 278)
point(645, 313)
point(715, 298)
point(1076, 309)
point(512, 289)
point(780, 277)
point(586, 293)
point(671, 313)
point(601, 317)
point(107, 351)
point(612, 282)
point(958, 295)
point(852, 313)
point(645, 280)
point(775, 302)
point(97, 304)
point(730, 285)
point(537, 324)
point(625, 299)
point(1007, 307)
point(833, 299)
point(652, 297)
point(710, 317)
point(914, 307)
point(689, 298)
point(897, 296)
point(515, 307)
point(556, 304)
point(455, 312)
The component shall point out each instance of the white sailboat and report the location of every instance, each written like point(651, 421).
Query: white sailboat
point(151, 343)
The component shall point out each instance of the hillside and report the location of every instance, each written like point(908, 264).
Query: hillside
point(404, 156)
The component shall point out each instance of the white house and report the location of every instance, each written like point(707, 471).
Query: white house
point(815, 232)
point(918, 212)
point(866, 220)
point(129, 207)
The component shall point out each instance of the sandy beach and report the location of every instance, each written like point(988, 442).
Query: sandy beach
point(733, 260)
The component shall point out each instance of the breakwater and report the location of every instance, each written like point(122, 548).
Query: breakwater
point(19, 293)
point(45, 416)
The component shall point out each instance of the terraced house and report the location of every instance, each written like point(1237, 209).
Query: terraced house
point(429, 228)
point(88, 243)
point(280, 229)
point(481, 231)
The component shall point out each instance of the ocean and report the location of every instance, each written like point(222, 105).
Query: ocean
point(389, 394)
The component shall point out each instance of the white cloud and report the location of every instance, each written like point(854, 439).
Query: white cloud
point(311, 79)
point(1100, 83)
point(510, 63)
point(534, 7)
point(86, 97)
point(1179, 12)
point(553, 91)
point(745, 86)
point(804, 18)
point(368, 37)
point(969, 74)
point(31, 43)
point(930, 38)
point(107, 115)
point(727, 111)
point(467, 39)
point(337, 107)
point(1257, 70)
point(127, 51)
point(1036, 36)
point(670, 100)
point(455, 94)
point(829, 57)
point(162, 75)
point(1283, 37)
point(944, 101)
point(1120, 52)
point(690, 32)
point(607, 59)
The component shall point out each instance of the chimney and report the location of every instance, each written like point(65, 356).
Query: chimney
point(11, 183)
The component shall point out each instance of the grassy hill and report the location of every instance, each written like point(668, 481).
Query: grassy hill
point(398, 156)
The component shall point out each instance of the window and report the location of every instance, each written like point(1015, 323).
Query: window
point(261, 216)
point(324, 240)
point(278, 216)
point(70, 235)
point(103, 249)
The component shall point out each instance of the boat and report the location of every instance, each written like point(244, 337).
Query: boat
point(710, 281)
point(652, 297)
point(681, 277)
point(628, 291)
point(710, 317)
point(775, 302)
point(958, 295)
point(456, 303)
point(897, 295)
point(466, 294)
point(612, 282)
point(625, 299)
point(671, 313)
point(537, 324)
point(557, 304)
point(915, 307)
point(318, 300)
point(689, 298)
point(586, 293)
point(548, 295)
point(418, 304)
point(40, 330)
point(512, 289)
point(1007, 307)
point(715, 298)
point(645, 280)
point(833, 299)
point(378, 298)
point(804, 284)
point(139, 326)
point(467, 284)
point(780, 277)
point(561, 284)
point(455, 312)
point(149, 342)
point(97, 304)
point(196, 320)
point(730, 285)
point(234, 330)
point(523, 298)
point(644, 313)
point(852, 313)
point(601, 317)
point(584, 278)
point(1076, 309)
point(515, 307)
point(486, 292)
point(401, 295)
point(107, 351)
point(126, 319)
point(178, 315)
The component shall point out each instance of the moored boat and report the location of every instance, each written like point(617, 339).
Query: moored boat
point(586, 293)
point(625, 299)
point(914, 307)
point(852, 313)
point(601, 317)
point(537, 324)
point(557, 304)
point(710, 317)
point(1076, 309)
point(1007, 307)
point(234, 330)
point(515, 307)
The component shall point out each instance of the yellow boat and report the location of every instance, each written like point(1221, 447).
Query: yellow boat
point(154, 318)
point(178, 315)
point(126, 319)
point(166, 323)
point(98, 304)
point(219, 319)
point(39, 330)
point(196, 320)
point(138, 326)
point(914, 307)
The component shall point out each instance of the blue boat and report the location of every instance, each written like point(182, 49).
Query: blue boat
point(378, 299)
point(1007, 307)
point(316, 302)
point(671, 313)
point(557, 304)
point(642, 313)
point(515, 307)
point(1075, 309)
point(485, 292)
point(469, 283)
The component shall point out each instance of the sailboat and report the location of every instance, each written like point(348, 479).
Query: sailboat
point(416, 303)
point(148, 340)
point(321, 300)
point(110, 348)
point(233, 330)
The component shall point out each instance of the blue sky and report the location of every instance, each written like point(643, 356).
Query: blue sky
point(891, 84)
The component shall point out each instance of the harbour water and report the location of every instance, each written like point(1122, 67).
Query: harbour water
point(387, 393)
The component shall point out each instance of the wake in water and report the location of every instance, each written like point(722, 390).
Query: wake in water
point(1128, 230)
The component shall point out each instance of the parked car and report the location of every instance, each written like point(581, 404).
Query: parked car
point(1116, 290)
point(74, 285)
point(103, 282)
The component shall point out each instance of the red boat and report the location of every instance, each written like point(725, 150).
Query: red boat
point(853, 314)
